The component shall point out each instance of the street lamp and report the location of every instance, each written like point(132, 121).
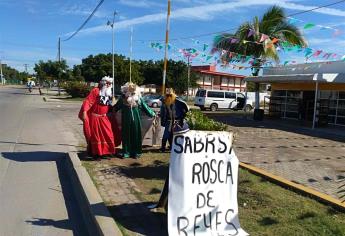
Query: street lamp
point(111, 24)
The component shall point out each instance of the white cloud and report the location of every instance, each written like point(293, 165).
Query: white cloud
point(83, 10)
point(326, 11)
point(207, 12)
point(140, 3)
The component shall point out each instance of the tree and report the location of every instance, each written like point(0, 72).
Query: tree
point(177, 73)
point(93, 68)
point(270, 31)
point(51, 70)
point(14, 76)
point(177, 76)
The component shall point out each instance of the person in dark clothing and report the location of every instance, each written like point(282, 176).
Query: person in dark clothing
point(173, 112)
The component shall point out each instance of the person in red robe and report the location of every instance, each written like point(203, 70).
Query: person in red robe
point(100, 129)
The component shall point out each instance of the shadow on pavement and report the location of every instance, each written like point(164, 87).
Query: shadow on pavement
point(153, 172)
point(62, 224)
point(37, 144)
point(74, 221)
point(136, 217)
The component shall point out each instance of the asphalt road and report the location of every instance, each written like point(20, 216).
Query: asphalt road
point(35, 194)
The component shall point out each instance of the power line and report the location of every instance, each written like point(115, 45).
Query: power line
point(316, 8)
point(85, 22)
point(226, 30)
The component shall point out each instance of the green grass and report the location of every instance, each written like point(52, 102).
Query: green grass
point(264, 207)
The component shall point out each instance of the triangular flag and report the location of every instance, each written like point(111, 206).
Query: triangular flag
point(250, 33)
point(308, 52)
point(275, 40)
point(317, 53)
point(327, 55)
point(263, 37)
point(308, 26)
point(233, 40)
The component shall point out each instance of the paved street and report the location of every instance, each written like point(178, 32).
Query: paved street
point(35, 194)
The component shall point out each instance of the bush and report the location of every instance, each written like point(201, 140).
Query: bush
point(198, 121)
point(77, 89)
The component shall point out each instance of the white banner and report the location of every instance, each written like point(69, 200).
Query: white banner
point(203, 185)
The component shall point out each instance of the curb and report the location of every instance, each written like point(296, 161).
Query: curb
point(297, 187)
point(96, 215)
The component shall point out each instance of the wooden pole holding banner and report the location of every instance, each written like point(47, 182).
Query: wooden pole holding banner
point(166, 49)
point(130, 56)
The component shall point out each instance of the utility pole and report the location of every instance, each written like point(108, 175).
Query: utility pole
point(112, 50)
point(188, 78)
point(59, 59)
point(26, 67)
point(1, 76)
point(59, 50)
point(130, 56)
point(166, 49)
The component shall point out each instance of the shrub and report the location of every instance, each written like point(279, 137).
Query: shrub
point(198, 121)
point(77, 89)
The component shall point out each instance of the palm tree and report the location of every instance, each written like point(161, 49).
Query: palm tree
point(248, 39)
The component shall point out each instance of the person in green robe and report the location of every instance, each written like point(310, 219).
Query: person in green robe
point(131, 104)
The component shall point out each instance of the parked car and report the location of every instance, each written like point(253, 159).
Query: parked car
point(221, 99)
point(153, 100)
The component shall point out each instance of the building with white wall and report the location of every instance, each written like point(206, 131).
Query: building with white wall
point(312, 92)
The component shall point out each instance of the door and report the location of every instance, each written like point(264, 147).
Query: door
point(231, 101)
point(241, 101)
point(200, 97)
point(307, 109)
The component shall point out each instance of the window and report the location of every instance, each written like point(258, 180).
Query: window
point(341, 95)
point(230, 95)
point(279, 93)
point(231, 82)
point(214, 94)
point(240, 95)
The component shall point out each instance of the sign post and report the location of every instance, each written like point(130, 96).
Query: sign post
point(203, 185)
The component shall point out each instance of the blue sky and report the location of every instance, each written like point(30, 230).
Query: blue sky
point(29, 29)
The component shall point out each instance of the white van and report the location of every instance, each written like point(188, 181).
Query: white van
point(221, 99)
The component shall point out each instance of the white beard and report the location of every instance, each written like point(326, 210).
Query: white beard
point(132, 100)
point(105, 93)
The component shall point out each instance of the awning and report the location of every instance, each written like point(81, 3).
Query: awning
point(299, 78)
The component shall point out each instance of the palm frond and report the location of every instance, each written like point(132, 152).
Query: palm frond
point(290, 33)
point(274, 24)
